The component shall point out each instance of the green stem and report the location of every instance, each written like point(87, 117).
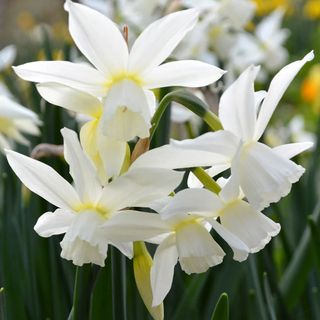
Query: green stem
point(191, 102)
point(83, 286)
point(206, 180)
point(119, 289)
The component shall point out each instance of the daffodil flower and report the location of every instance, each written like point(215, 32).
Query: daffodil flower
point(182, 229)
point(264, 174)
point(107, 154)
point(16, 119)
point(84, 207)
point(124, 80)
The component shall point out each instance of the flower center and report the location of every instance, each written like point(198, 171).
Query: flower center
point(134, 77)
point(99, 210)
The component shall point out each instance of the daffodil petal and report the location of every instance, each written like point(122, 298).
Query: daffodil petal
point(186, 73)
point(265, 176)
point(278, 86)
point(239, 248)
point(43, 180)
point(81, 169)
point(138, 187)
point(53, 223)
point(237, 105)
point(75, 75)
point(98, 38)
point(201, 253)
point(195, 201)
point(127, 112)
point(249, 225)
point(164, 261)
point(292, 149)
point(69, 98)
point(129, 225)
point(159, 39)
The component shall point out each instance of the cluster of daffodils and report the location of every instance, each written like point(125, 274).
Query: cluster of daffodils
point(117, 199)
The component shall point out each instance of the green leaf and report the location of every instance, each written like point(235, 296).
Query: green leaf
point(221, 310)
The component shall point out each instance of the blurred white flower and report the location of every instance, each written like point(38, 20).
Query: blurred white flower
point(124, 79)
point(7, 56)
point(15, 120)
point(82, 209)
point(264, 47)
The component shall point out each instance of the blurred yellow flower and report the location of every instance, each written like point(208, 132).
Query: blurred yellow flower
point(310, 89)
point(264, 7)
point(312, 9)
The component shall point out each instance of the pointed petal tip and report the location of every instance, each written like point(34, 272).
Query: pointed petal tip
point(309, 56)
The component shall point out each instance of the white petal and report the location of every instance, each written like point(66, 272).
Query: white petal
point(240, 249)
point(82, 242)
point(138, 187)
point(126, 248)
point(164, 261)
point(220, 142)
point(278, 86)
point(200, 253)
point(43, 180)
point(81, 169)
point(249, 225)
point(265, 176)
point(192, 201)
point(237, 110)
point(159, 39)
point(78, 76)
point(113, 154)
point(71, 99)
point(186, 73)
point(292, 149)
point(132, 225)
point(52, 223)
point(13, 110)
point(98, 38)
point(127, 112)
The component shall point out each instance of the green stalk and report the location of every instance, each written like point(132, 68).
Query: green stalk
point(83, 286)
point(191, 102)
point(119, 289)
point(294, 279)
point(206, 180)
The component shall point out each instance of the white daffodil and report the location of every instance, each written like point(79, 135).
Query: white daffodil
point(14, 121)
point(190, 214)
point(264, 174)
point(82, 209)
point(7, 56)
point(124, 80)
point(107, 154)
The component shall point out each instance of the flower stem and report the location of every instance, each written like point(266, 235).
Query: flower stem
point(192, 103)
point(119, 285)
point(206, 180)
point(83, 286)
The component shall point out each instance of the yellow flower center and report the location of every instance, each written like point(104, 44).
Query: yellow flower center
point(99, 210)
point(123, 76)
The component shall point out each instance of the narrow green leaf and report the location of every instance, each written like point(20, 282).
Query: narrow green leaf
point(221, 310)
point(269, 298)
point(294, 281)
